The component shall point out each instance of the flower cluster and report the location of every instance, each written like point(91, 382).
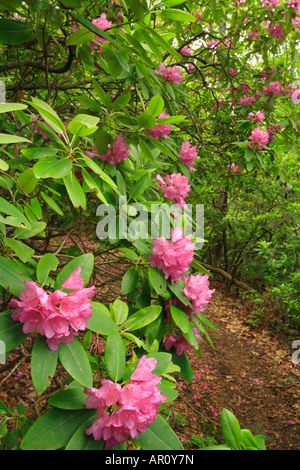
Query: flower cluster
point(256, 117)
point(175, 187)
point(160, 129)
point(188, 154)
point(125, 411)
point(119, 151)
point(197, 290)
point(259, 137)
point(233, 168)
point(170, 74)
point(103, 24)
point(274, 88)
point(276, 30)
point(59, 315)
point(173, 257)
point(270, 4)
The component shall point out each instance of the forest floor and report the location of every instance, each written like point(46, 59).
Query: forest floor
point(248, 371)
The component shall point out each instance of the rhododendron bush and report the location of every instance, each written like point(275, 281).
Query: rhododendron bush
point(159, 103)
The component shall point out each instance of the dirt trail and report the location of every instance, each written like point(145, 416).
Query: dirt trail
point(248, 372)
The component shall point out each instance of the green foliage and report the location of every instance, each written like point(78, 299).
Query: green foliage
point(75, 85)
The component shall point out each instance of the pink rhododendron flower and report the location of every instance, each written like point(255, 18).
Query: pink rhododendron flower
point(126, 411)
point(247, 100)
point(270, 4)
point(179, 342)
point(160, 129)
point(173, 257)
point(253, 35)
point(272, 130)
point(198, 15)
point(170, 74)
point(103, 24)
point(256, 117)
point(213, 44)
point(296, 22)
point(185, 50)
point(276, 30)
point(258, 137)
point(197, 291)
point(274, 88)
point(188, 154)
point(57, 316)
point(233, 168)
point(119, 151)
point(175, 187)
point(232, 71)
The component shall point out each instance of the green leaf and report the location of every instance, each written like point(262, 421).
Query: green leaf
point(158, 282)
point(81, 441)
point(23, 251)
point(39, 152)
point(27, 180)
point(120, 310)
point(12, 139)
point(47, 263)
point(142, 317)
point(171, 120)
point(231, 429)
point(140, 186)
point(93, 186)
point(129, 281)
point(52, 168)
point(51, 203)
point(69, 399)
point(163, 360)
point(74, 359)
point(86, 263)
point(81, 36)
point(36, 228)
point(156, 106)
point(100, 322)
point(159, 436)
point(115, 357)
point(75, 191)
point(180, 318)
point(54, 429)
point(13, 32)
point(7, 208)
point(83, 125)
point(43, 364)
point(8, 107)
point(12, 275)
point(186, 371)
point(146, 120)
point(3, 165)
point(121, 101)
point(11, 332)
point(95, 167)
point(49, 115)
